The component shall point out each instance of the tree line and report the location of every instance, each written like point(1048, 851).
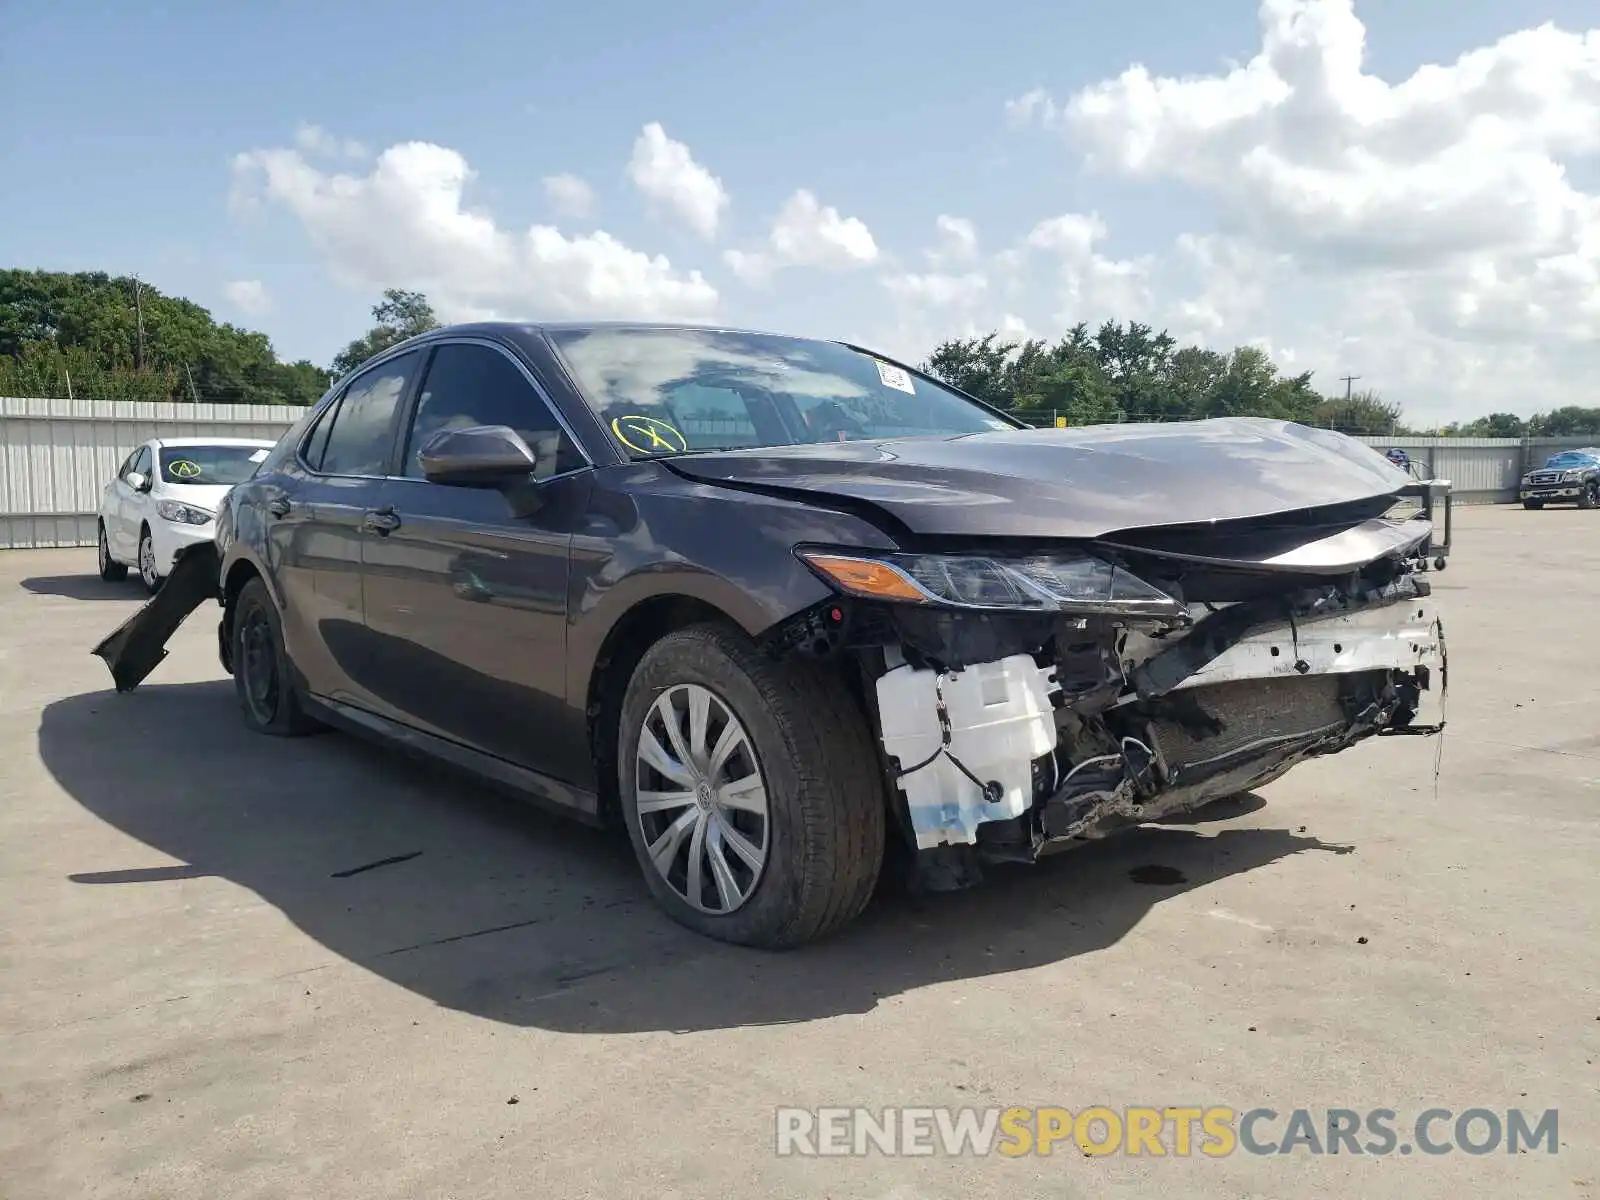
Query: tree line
point(97, 336)
point(1133, 373)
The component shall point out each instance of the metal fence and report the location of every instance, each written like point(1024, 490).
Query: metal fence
point(1480, 470)
point(57, 455)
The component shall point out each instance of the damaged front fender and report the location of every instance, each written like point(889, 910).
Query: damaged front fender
point(140, 643)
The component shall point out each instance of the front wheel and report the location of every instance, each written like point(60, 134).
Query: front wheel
point(148, 574)
point(751, 790)
point(263, 677)
point(1533, 505)
point(1591, 496)
point(110, 569)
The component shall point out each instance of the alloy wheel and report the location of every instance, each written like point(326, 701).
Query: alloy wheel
point(258, 665)
point(702, 800)
point(147, 563)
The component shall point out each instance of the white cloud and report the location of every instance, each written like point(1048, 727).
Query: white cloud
point(1089, 286)
point(313, 139)
point(1420, 230)
point(958, 240)
point(569, 195)
point(1037, 105)
point(248, 296)
point(405, 223)
point(937, 289)
point(667, 175)
point(1071, 235)
point(807, 233)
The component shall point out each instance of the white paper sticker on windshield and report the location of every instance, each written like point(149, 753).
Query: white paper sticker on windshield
point(260, 456)
point(895, 377)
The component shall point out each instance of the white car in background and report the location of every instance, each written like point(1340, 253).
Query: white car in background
point(165, 496)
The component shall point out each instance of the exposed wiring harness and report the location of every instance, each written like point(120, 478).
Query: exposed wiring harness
point(992, 791)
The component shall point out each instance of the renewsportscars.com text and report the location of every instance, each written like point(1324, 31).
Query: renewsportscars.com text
point(1177, 1131)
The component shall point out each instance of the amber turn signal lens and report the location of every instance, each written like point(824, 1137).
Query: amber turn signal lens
point(862, 577)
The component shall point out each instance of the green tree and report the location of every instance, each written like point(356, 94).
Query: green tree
point(135, 342)
point(1571, 421)
point(1495, 425)
point(978, 366)
point(1136, 362)
point(1365, 412)
point(399, 315)
point(42, 368)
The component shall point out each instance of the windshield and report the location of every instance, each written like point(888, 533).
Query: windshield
point(210, 464)
point(1570, 458)
point(675, 391)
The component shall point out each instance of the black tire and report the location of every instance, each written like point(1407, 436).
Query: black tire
point(263, 677)
point(147, 572)
point(110, 569)
point(825, 818)
point(1591, 496)
point(1533, 505)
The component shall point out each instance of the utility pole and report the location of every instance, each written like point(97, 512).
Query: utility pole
point(55, 338)
point(190, 374)
point(1348, 380)
point(138, 316)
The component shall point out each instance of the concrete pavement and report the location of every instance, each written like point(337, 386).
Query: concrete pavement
point(203, 997)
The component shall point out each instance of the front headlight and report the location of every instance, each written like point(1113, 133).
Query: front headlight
point(1570, 476)
point(183, 514)
point(1067, 583)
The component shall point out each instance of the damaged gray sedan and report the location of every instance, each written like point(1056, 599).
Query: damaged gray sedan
point(768, 603)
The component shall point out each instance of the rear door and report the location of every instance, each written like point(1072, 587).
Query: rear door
point(466, 592)
point(318, 528)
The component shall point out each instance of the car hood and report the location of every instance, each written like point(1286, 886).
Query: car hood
point(1073, 483)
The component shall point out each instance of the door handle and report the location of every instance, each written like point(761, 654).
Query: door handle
point(279, 506)
point(381, 521)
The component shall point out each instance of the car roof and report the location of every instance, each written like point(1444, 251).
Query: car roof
point(521, 329)
point(211, 441)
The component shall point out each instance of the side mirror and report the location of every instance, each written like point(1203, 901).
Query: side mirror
point(138, 482)
point(477, 456)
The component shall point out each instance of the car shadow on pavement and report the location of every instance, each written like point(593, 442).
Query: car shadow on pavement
point(485, 905)
point(83, 587)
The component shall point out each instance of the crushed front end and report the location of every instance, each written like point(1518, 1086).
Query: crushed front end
point(1029, 700)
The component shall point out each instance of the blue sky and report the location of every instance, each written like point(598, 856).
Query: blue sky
point(125, 123)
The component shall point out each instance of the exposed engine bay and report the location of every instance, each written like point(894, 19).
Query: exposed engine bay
point(1010, 735)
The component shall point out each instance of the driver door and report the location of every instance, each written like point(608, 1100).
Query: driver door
point(466, 587)
point(131, 506)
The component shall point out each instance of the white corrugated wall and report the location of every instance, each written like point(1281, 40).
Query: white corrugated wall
point(57, 455)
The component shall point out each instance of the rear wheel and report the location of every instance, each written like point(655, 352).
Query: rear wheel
point(750, 789)
point(110, 569)
point(148, 575)
point(263, 677)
